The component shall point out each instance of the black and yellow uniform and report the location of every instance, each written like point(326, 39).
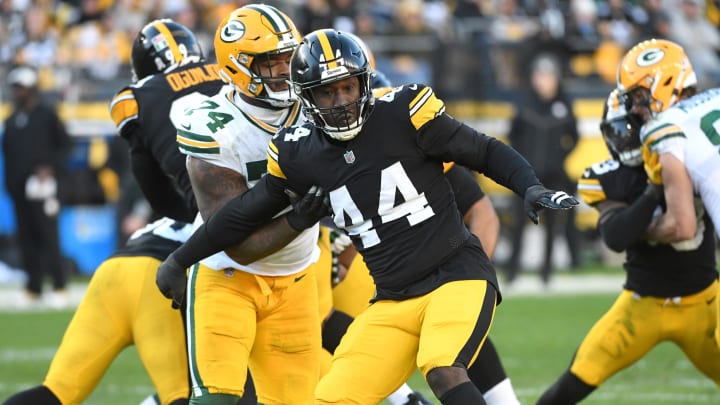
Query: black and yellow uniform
point(140, 112)
point(388, 191)
point(122, 307)
point(668, 295)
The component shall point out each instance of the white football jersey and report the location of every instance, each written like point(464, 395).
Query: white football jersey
point(690, 130)
point(227, 131)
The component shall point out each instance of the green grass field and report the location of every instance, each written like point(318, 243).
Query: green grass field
point(535, 337)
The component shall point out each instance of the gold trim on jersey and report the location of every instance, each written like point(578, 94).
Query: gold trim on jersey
point(123, 109)
point(425, 107)
point(591, 191)
point(273, 166)
point(381, 91)
point(270, 129)
point(327, 50)
point(662, 132)
point(172, 44)
point(197, 143)
point(447, 166)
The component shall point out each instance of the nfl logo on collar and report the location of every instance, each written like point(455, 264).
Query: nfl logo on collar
point(349, 157)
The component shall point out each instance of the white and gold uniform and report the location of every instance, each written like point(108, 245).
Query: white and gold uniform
point(263, 315)
point(690, 131)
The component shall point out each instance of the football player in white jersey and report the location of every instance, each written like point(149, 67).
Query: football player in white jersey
point(680, 135)
point(259, 312)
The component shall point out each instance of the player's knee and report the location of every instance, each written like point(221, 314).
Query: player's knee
point(442, 379)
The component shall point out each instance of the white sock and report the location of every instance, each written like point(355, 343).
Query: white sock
point(150, 400)
point(400, 397)
point(501, 394)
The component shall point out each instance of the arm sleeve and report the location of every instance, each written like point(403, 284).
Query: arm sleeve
point(465, 187)
point(159, 189)
point(451, 140)
point(235, 221)
point(621, 227)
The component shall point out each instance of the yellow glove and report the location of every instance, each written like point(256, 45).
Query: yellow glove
point(651, 163)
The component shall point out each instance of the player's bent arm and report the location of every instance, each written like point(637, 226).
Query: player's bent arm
point(214, 186)
point(159, 189)
point(679, 222)
point(622, 225)
point(478, 212)
point(235, 221)
point(483, 221)
point(451, 140)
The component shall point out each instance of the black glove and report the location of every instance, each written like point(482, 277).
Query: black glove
point(538, 197)
point(171, 279)
point(309, 209)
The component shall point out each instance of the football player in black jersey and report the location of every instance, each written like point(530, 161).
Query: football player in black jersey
point(381, 161)
point(669, 289)
point(479, 215)
point(120, 308)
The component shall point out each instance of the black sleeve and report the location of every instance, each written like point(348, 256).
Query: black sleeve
point(465, 187)
point(622, 227)
point(235, 221)
point(159, 190)
point(452, 141)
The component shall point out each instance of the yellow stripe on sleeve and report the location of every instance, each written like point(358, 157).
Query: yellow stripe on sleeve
point(447, 166)
point(659, 133)
point(123, 108)
point(273, 166)
point(425, 107)
point(591, 191)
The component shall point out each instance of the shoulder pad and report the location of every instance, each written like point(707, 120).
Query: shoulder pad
point(123, 108)
point(590, 187)
point(194, 124)
point(658, 131)
point(422, 104)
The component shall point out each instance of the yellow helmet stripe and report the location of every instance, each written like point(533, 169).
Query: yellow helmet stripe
point(172, 44)
point(274, 17)
point(327, 50)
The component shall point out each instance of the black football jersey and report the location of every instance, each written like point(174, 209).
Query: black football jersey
point(141, 115)
point(388, 191)
point(652, 269)
point(158, 239)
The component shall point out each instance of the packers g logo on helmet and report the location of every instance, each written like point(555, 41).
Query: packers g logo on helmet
point(660, 66)
point(232, 31)
point(650, 57)
point(245, 40)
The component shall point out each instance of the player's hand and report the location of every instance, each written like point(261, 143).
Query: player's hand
point(651, 163)
point(538, 197)
point(171, 279)
point(308, 209)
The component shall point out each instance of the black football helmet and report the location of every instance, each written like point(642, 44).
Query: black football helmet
point(621, 131)
point(323, 57)
point(161, 46)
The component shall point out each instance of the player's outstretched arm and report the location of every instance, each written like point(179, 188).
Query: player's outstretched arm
point(233, 223)
point(538, 197)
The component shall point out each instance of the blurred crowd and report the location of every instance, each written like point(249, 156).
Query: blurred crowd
point(466, 49)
